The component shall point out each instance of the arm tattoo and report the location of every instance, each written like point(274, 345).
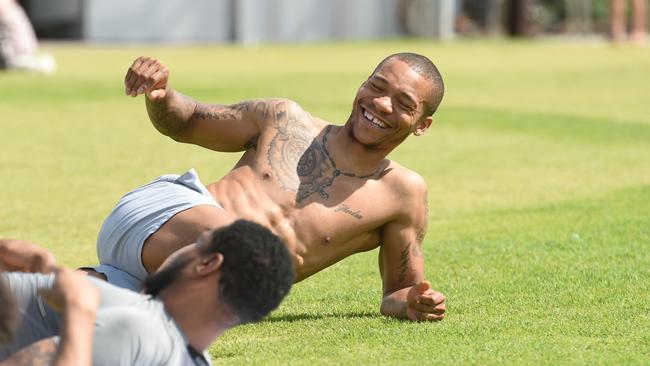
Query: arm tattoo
point(417, 248)
point(295, 156)
point(217, 112)
point(170, 117)
point(40, 353)
point(419, 238)
point(419, 241)
point(404, 263)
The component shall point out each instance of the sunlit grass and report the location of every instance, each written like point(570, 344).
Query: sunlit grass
point(538, 167)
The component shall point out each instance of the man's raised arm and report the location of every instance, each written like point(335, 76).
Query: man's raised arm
point(407, 295)
point(216, 127)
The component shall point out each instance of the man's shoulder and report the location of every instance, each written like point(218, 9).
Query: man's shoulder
point(280, 112)
point(407, 191)
point(404, 181)
point(268, 107)
point(132, 320)
point(134, 335)
point(113, 295)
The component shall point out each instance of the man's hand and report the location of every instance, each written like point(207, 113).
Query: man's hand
point(425, 304)
point(72, 292)
point(78, 300)
point(147, 75)
point(21, 256)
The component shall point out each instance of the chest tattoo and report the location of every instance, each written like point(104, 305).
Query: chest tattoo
point(300, 159)
point(297, 158)
point(314, 173)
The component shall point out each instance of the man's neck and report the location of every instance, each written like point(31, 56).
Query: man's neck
point(196, 314)
point(350, 155)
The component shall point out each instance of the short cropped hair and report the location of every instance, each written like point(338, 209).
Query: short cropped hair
point(425, 68)
point(257, 271)
point(8, 314)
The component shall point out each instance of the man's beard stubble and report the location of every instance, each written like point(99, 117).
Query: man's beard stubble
point(160, 280)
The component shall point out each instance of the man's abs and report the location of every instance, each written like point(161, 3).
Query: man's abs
point(180, 230)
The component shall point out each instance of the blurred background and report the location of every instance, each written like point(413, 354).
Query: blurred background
point(253, 21)
point(536, 165)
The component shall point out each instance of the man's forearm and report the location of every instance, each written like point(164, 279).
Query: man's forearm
point(171, 115)
point(75, 345)
point(394, 304)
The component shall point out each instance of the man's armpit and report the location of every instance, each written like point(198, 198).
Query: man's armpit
point(40, 353)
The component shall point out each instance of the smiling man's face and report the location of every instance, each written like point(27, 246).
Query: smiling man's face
point(390, 105)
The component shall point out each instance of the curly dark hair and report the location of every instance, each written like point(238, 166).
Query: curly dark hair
point(257, 271)
point(8, 315)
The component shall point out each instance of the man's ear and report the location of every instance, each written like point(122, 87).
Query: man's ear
point(208, 264)
point(423, 126)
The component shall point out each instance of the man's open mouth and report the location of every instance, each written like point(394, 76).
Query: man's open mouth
point(373, 120)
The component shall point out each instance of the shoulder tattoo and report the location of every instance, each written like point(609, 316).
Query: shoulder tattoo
point(295, 155)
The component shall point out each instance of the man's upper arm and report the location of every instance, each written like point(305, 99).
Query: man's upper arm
point(229, 128)
point(401, 257)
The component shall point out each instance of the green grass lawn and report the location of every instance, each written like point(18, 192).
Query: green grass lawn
point(538, 166)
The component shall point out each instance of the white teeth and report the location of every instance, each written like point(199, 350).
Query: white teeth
point(374, 120)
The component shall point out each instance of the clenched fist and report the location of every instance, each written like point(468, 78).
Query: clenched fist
point(423, 303)
point(149, 76)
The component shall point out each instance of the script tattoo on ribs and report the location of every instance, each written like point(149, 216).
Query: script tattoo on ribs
point(348, 210)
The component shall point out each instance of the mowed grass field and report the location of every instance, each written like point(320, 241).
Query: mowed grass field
point(538, 167)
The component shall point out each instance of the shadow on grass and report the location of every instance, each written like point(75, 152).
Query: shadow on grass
point(301, 317)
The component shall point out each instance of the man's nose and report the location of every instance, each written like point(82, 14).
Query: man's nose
point(383, 104)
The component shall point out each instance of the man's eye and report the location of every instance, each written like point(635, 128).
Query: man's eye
point(374, 86)
point(407, 107)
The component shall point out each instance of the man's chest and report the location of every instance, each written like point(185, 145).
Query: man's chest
point(298, 159)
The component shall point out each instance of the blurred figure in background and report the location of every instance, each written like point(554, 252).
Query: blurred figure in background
point(18, 44)
point(619, 23)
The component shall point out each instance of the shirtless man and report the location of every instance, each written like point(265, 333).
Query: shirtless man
point(328, 191)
